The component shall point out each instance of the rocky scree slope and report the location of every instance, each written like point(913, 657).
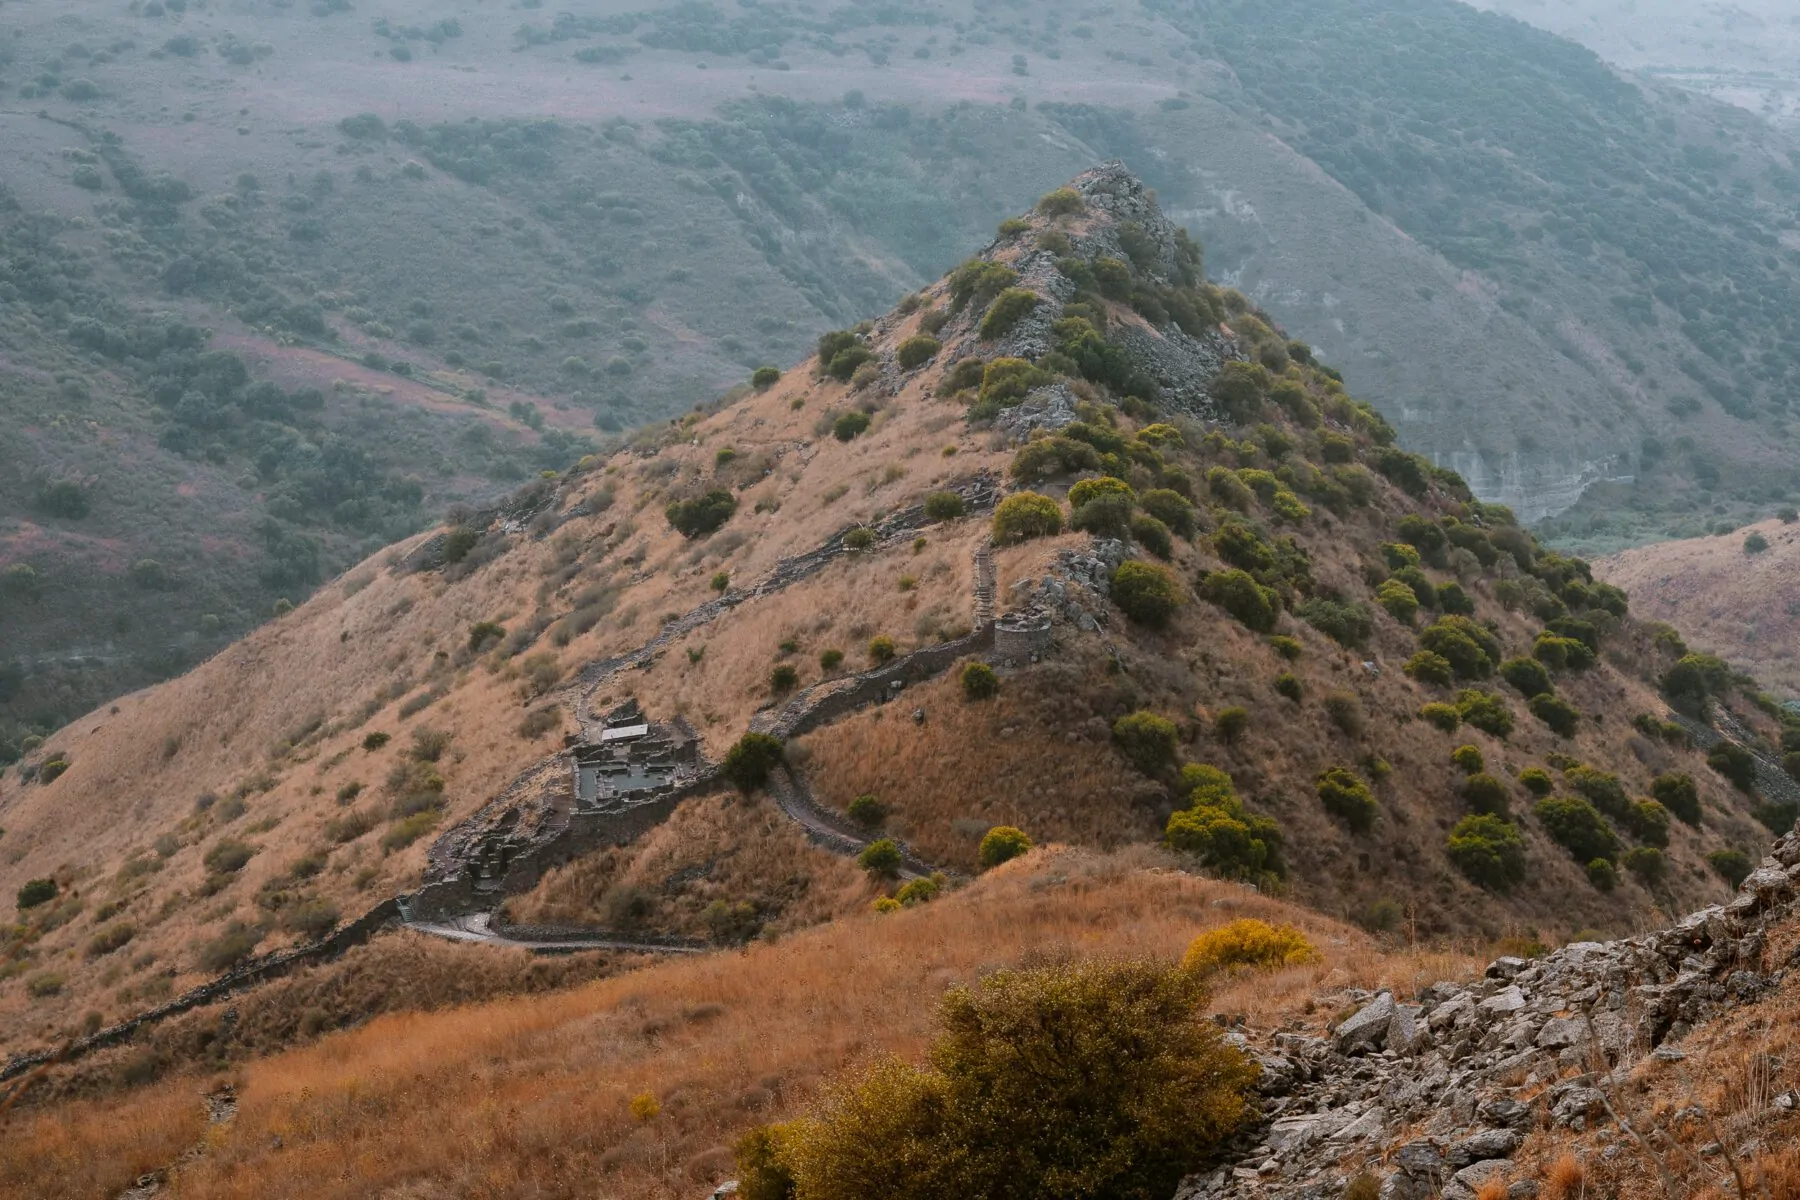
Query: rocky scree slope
point(1466, 1090)
point(1306, 577)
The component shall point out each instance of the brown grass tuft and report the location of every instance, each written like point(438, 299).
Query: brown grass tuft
point(1566, 1179)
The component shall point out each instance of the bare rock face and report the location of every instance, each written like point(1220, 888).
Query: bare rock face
point(1466, 1071)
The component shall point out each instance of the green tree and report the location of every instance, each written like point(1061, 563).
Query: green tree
point(751, 759)
point(1346, 797)
point(1146, 740)
point(1025, 515)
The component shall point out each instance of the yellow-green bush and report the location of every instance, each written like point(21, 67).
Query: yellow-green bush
point(1247, 943)
point(1025, 515)
point(1096, 1079)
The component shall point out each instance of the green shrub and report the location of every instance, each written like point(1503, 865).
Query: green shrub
point(1537, 781)
point(1733, 866)
point(943, 506)
point(1230, 724)
point(1007, 381)
point(1756, 543)
point(1240, 389)
point(375, 740)
point(1346, 797)
point(831, 660)
point(1008, 309)
point(1444, 716)
point(1238, 593)
point(1648, 822)
point(1172, 509)
point(227, 856)
point(860, 538)
point(1488, 850)
point(916, 351)
point(1063, 202)
point(1345, 622)
point(1734, 763)
point(1012, 227)
point(1428, 667)
point(1103, 516)
point(1152, 535)
point(751, 759)
point(36, 892)
point(1399, 555)
point(1031, 1091)
point(1563, 718)
point(409, 829)
point(1678, 794)
point(881, 649)
point(867, 811)
point(764, 378)
point(881, 857)
point(235, 943)
point(783, 679)
point(1145, 592)
point(1398, 599)
point(1452, 599)
point(850, 424)
point(484, 634)
point(1146, 740)
point(1603, 875)
point(1002, 843)
point(1486, 794)
point(44, 984)
point(1527, 676)
point(701, 516)
point(1025, 515)
point(1288, 684)
point(1602, 788)
point(979, 682)
point(1484, 711)
point(1469, 759)
point(1561, 653)
point(1647, 863)
point(921, 891)
point(1104, 485)
point(1470, 648)
point(1045, 457)
point(1224, 837)
point(1577, 826)
point(1694, 680)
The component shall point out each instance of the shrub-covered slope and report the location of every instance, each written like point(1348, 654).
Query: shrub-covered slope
point(375, 210)
point(1277, 644)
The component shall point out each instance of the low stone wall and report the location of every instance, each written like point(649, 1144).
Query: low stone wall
point(252, 973)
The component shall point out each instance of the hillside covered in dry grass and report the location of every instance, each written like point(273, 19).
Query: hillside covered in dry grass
point(1275, 650)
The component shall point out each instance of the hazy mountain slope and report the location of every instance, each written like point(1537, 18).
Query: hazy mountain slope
point(1737, 603)
point(297, 777)
point(648, 203)
point(1745, 53)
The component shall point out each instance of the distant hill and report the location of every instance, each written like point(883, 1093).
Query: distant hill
point(1726, 594)
point(468, 248)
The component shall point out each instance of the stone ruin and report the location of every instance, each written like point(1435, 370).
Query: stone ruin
point(632, 758)
point(1022, 636)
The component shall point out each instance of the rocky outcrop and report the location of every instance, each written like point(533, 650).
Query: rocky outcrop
point(1434, 1092)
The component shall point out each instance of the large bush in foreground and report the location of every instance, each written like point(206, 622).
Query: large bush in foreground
point(1096, 1080)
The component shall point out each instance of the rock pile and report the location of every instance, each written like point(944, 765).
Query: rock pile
point(1434, 1094)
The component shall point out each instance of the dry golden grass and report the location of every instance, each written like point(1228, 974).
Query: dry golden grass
point(52, 1153)
point(716, 848)
point(1566, 1179)
point(535, 1096)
